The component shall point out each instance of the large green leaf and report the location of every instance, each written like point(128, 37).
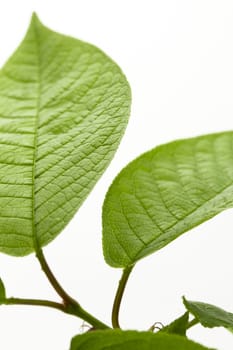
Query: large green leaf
point(63, 108)
point(209, 315)
point(164, 193)
point(131, 340)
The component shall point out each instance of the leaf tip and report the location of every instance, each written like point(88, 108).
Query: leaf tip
point(185, 302)
point(35, 19)
point(34, 16)
point(2, 291)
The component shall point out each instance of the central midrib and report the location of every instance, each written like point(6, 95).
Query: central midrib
point(36, 243)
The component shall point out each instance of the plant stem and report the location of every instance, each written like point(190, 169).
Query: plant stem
point(52, 279)
point(69, 309)
point(69, 305)
point(192, 323)
point(119, 295)
point(33, 302)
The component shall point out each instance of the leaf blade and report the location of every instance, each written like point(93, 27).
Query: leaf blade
point(2, 291)
point(131, 340)
point(209, 315)
point(64, 106)
point(178, 326)
point(164, 193)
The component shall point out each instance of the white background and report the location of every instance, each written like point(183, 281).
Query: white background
point(178, 57)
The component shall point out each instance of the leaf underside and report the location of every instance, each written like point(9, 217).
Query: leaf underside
point(209, 315)
point(131, 340)
point(64, 106)
point(164, 193)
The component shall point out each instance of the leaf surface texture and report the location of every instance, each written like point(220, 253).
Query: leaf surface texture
point(131, 340)
point(210, 315)
point(164, 193)
point(64, 106)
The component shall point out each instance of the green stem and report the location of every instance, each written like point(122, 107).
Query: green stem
point(192, 323)
point(69, 305)
point(33, 302)
point(119, 295)
point(69, 309)
point(77, 310)
point(52, 279)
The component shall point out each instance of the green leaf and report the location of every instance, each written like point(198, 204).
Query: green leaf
point(131, 340)
point(179, 326)
point(2, 291)
point(209, 315)
point(64, 106)
point(164, 193)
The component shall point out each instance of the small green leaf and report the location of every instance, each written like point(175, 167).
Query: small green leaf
point(179, 326)
point(64, 106)
point(131, 340)
point(209, 315)
point(2, 291)
point(164, 193)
